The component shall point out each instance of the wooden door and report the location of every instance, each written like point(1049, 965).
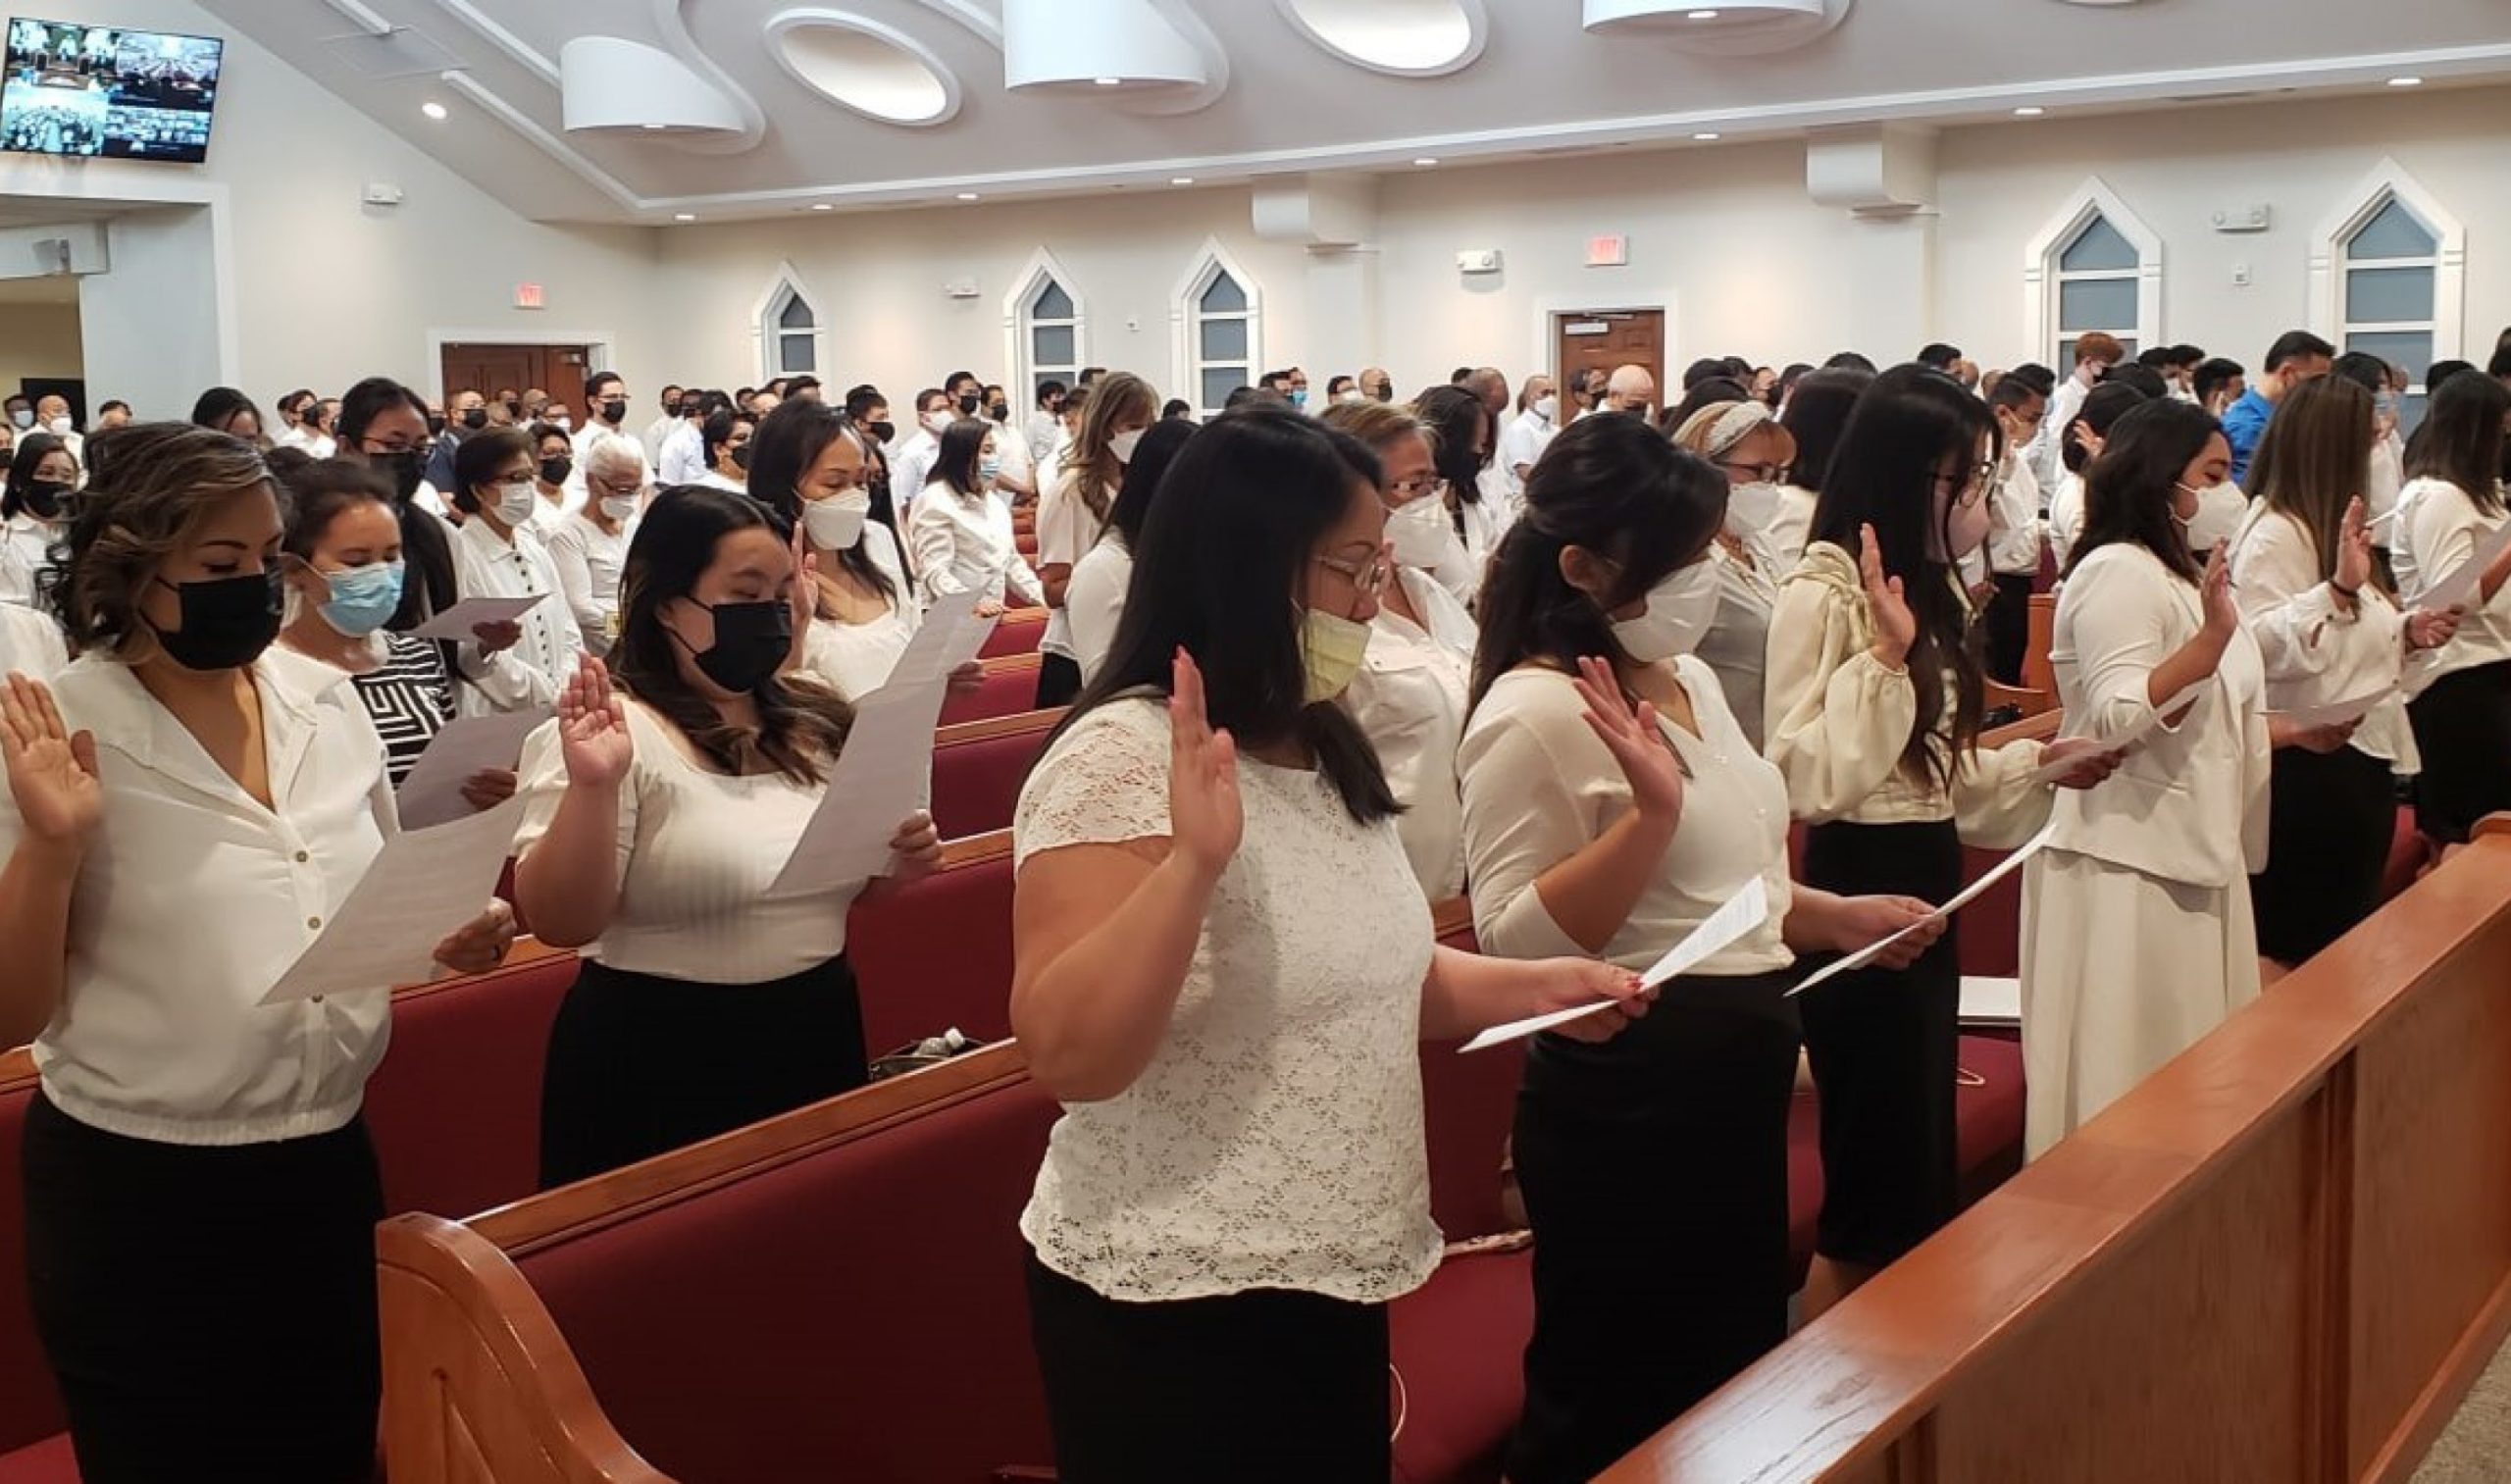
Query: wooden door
point(1606, 339)
point(558, 369)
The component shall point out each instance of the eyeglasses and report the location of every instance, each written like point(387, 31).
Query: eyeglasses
point(616, 491)
point(1975, 485)
point(1368, 578)
point(389, 447)
point(1405, 491)
point(1761, 473)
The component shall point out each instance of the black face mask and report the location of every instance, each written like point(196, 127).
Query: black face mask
point(751, 640)
point(968, 405)
point(407, 470)
point(227, 621)
point(884, 432)
point(476, 419)
point(741, 458)
point(555, 471)
point(43, 498)
point(614, 410)
point(435, 423)
point(999, 411)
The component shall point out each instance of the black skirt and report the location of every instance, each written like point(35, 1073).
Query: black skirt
point(2463, 729)
point(2330, 818)
point(1058, 681)
point(640, 1064)
point(209, 1312)
point(1883, 1045)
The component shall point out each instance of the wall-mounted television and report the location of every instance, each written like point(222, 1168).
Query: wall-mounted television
point(102, 90)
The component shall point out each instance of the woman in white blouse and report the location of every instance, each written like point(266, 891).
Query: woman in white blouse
point(31, 642)
point(1756, 453)
point(188, 807)
point(808, 466)
point(1612, 804)
point(1073, 511)
point(1410, 695)
point(1816, 413)
point(590, 545)
point(1459, 428)
point(2303, 573)
point(2081, 444)
point(1874, 703)
point(962, 535)
point(1095, 599)
point(655, 820)
point(1223, 968)
point(2137, 936)
point(43, 472)
point(2453, 504)
point(498, 554)
point(553, 477)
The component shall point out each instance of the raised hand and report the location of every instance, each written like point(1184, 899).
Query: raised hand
point(1896, 628)
point(2431, 628)
point(52, 770)
point(1561, 984)
point(1638, 744)
point(1205, 815)
point(915, 851)
point(2222, 614)
point(802, 595)
point(2092, 762)
point(2353, 550)
point(593, 728)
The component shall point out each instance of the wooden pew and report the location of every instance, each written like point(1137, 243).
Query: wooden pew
point(1017, 633)
point(1010, 687)
point(978, 768)
point(2285, 1255)
point(936, 954)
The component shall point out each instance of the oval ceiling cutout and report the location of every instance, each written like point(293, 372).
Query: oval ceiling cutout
point(862, 65)
point(1405, 39)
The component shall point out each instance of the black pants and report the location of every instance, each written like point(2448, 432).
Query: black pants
point(640, 1065)
point(1883, 1045)
point(1266, 1387)
point(1654, 1169)
point(2463, 728)
point(1058, 681)
point(2009, 628)
point(2330, 818)
point(208, 1312)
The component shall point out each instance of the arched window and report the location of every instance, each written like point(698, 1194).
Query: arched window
point(2388, 275)
point(1220, 315)
point(788, 326)
point(1045, 322)
point(2095, 266)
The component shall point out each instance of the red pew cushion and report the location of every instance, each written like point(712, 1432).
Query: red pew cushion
point(1988, 935)
point(455, 1108)
point(49, 1461)
point(1017, 634)
point(1006, 691)
point(1459, 1347)
point(29, 1406)
point(935, 955)
point(857, 1313)
point(976, 784)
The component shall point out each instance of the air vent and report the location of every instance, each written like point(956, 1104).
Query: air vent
point(401, 52)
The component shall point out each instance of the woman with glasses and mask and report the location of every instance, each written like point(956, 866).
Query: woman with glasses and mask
point(188, 807)
point(806, 467)
point(1224, 970)
point(1410, 695)
point(42, 475)
point(589, 547)
point(1748, 444)
point(496, 553)
point(723, 444)
point(1875, 702)
point(657, 815)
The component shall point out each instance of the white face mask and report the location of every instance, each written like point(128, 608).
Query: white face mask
point(619, 507)
point(559, 422)
point(938, 423)
point(2219, 509)
point(1547, 408)
point(1122, 444)
point(1752, 507)
point(1680, 611)
point(59, 427)
point(1421, 531)
point(23, 417)
point(836, 524)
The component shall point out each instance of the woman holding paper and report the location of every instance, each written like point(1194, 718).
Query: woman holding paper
point(1611, 805)
point(1874, 697)
point(1223, 969)
point(2451, 511)
point(188, 807)
point(658, 817)
point(2303, 571)
point(498, 553)
point(2137, 935)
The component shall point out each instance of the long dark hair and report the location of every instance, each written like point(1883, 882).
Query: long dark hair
point(2103, 407)
point(2128, 491)
point(2310, 463)
point(1816, 413)
point(783, 447)
point(2461, 439)
point(217, 407)
point(1610, 486)
point(476, 458)
point(962, 447)
point(32, 450)
point(1214, 571)
point(1455, 418)
point(1883, 475)
point(1145, 474)
point(801, 724)
point(424, 545)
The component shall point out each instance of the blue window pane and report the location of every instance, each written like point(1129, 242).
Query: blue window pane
point(2097, 304)
point(2410, 348)
point(2099, 245)
point(2389, 296)
point(795, 355)
point(2393, 233)
point(1224, 339)
point(1051, 302)
point(795, 315)
point(1052, 345)
point(1218, 383)
point(1224, 296)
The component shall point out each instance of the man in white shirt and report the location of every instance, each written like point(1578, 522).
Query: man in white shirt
point(911, 466)
point(2095, 353)
point(52, 415)
point(662, 427)
point(1533, 430)
point(1631, 388)
point(605, 417)
point(1046, 422)
point(683, 460)
point(2014, 524)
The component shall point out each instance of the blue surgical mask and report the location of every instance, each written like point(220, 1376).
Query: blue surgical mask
point(362, 598)
point(1299, 396)
point(987, 468)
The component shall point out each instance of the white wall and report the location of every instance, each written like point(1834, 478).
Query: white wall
point(1753, 264)
point(38, 341)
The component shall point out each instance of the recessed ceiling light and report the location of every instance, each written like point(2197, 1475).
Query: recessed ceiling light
point(683, 215)
point(2406, 82)
point(1108, 82)
point(967, 196)
point(2029, 111)
point(653, 129)
point(433, 110)
point(1181, 180)
point(823, 206)
point(1425, 161)
point(1702, 15)
point(1705, 135)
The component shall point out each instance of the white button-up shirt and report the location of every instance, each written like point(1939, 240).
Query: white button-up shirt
point(195, 898)
point(2437, 531)
point(683, 460)
point(2013, 519)
point(531, 671)
point(1410, 699)
point(26, 550)
point(2315, 651)
point(964, 543)
point(31, 642)
point(590, 560)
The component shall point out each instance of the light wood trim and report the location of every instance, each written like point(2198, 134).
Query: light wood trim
point(1452, 916)
point(2038, 673)
point(1015, 617)
point(2028, 702)
point(2040, 728)
point(976, 849)
point(1003, 662)
point(1018, 723)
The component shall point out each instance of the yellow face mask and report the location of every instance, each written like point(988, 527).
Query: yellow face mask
point(1330, 648)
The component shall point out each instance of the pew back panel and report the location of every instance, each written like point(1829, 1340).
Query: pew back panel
point(978, 768)
point(30, 1404)
point(937, 954)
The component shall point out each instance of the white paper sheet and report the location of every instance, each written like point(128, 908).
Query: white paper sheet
point(1742, 913)
point(885, 773)
point(2337, 713)
point(422, 887)
point(433, 792)
point(2052, 772)
point(973, 634)
point(2459, 590)
point(458, 621)
point(1991, 1001)
point(1968, 895)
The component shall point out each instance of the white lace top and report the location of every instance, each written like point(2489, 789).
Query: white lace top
point(1275, 1139)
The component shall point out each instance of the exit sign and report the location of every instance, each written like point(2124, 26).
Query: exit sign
point(527, 296)
point(1609, 252)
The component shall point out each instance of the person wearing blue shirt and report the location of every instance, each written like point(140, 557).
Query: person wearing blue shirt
point(2297, 356)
